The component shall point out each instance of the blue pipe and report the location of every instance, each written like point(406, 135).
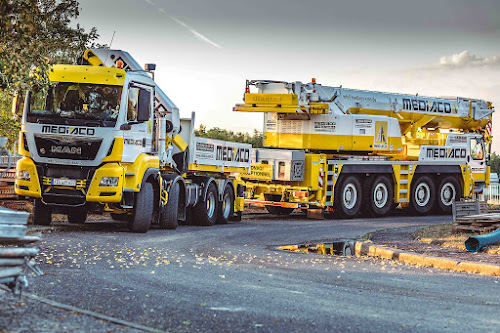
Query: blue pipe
point(476, 243)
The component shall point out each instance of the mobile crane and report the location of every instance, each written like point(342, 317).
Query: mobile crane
point(355, 151)
point(104, 135)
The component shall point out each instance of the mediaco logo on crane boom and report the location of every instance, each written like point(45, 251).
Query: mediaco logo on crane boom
point(429, 106)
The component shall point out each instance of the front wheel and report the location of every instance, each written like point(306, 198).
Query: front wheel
point(422, 195)
point(347, 198)
point(449, 191)
point(143, 209)
point(42, 214)
point(205, 211)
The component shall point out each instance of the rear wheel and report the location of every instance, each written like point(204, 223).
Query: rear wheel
point(449, 191)
point(205, 211)
point(422, 195)
point(77, 215)
point(226, 207)
point(143, 209)
point(277, 210)
point(42, 214)
point(169, 212)
point(378, 196)
point(348, 197)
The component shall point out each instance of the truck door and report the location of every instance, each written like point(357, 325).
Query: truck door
point(477, 159)
point(138, 138)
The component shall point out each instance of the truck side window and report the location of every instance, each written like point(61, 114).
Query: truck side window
point(476, 149)
point(133, 103)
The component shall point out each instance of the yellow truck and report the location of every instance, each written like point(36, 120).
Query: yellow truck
point(354, 151)
point(105, 136)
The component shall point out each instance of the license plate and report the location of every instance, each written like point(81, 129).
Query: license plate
point(64, 182)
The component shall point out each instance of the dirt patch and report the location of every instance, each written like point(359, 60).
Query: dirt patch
point(405, 239)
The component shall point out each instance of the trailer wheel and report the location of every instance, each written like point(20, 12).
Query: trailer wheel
point(42, 214)
point(378, 196)
point(143, 209)
point(169, 213)
point(77, 215)
point(205, 211)
point(449, 190)
point(422, 195)
point(347, 198)
point(277, 210)
point(226, 207)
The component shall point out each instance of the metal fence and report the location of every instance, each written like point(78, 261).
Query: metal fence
point(491, 194)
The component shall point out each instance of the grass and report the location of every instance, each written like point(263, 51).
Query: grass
point(443, 235)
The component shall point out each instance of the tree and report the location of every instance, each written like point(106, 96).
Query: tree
point(256, 140)
point(33, 35)
point(495, 163)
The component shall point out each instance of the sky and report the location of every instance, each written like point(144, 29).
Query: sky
point(205, 50)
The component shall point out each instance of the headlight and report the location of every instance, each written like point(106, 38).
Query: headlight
point(109, 181)
point(22, 175)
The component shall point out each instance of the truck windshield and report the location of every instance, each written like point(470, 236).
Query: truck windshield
point(77, 104)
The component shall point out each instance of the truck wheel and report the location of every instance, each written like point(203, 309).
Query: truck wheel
point(169, 213)
point(143, 209)
point(226, 207)
point(347, 198)
point(77, 215)
point(205, 211)
point(276, 210)
point(422, 195)
point(42, 214)
point(449, 191)
point(378, 196)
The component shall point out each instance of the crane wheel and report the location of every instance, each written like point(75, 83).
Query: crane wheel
point(422, 195)
point(449, 191)
point(169, 213)
point(348, 197)
point(42, 214)
point(226, 206)
point(378, 196)
point(205, 211)
point(143, 209)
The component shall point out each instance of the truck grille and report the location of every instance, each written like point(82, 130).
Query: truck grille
point(66, 147)
point(60, 195)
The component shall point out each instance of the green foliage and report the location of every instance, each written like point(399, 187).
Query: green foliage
point(255, 140)
point(35, 34)
point(494, 163)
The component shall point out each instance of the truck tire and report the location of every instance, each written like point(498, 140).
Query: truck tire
point(449, 191)
point(378, 196)
point(77, 215)
point(169, 213)
point(226, 206)
point(277, 210)
point(42, 214)
point(348, 197)
point(422, 195)
point(143, 209)
point(205, 211)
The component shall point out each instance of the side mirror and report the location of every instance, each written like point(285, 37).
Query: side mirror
point(17, 105)
point(144, 105)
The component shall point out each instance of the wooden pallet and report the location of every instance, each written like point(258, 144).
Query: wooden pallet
point(473, 216)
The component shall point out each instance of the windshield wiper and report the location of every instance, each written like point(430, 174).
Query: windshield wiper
point(95, 123)
point(45, 121)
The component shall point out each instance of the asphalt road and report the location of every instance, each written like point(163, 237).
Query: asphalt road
point(231, 278)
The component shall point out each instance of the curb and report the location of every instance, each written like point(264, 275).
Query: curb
point(371, 250)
